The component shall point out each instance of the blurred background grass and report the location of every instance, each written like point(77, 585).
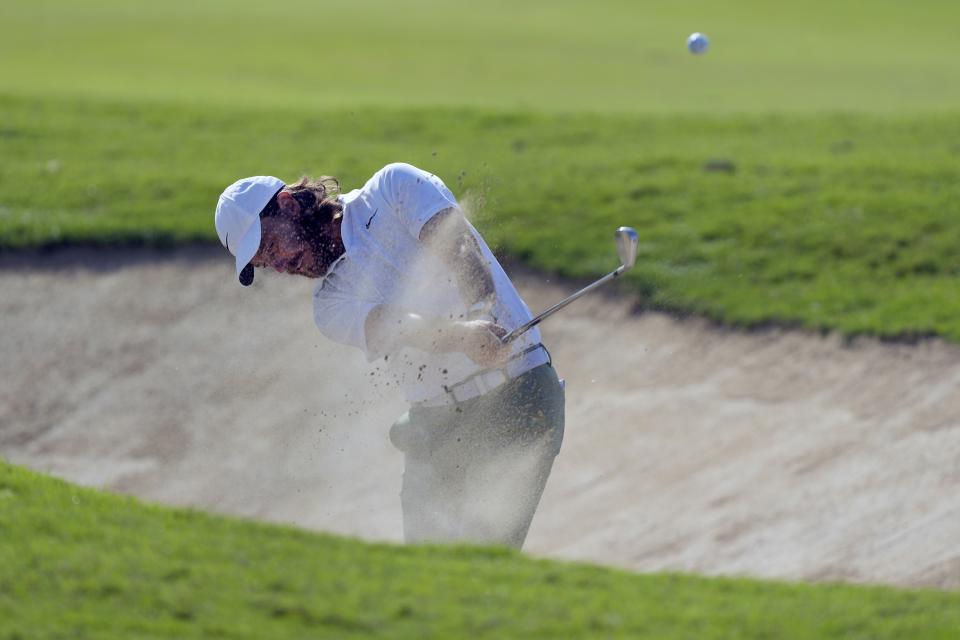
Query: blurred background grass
point(564, 55)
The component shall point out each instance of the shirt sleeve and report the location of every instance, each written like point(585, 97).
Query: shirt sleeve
point(415, 195)
point(343, 319)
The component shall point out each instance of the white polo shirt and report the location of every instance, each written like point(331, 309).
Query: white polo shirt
point(385, 263)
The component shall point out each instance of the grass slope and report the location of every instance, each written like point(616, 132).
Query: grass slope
point(605, 55)
point(823, 221)
point(78, 563)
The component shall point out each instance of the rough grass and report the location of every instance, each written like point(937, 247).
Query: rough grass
point(78, 563)
point(835, 222)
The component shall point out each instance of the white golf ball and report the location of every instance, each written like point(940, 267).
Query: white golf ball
point(698, 43)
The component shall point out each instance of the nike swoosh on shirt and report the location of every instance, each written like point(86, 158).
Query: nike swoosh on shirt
point(372, 217)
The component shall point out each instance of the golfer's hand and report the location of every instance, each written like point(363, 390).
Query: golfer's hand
point(481, 341)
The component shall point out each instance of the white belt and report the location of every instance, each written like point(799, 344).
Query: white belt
point(489, 379)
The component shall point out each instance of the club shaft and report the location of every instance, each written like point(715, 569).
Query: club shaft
point(560, 305)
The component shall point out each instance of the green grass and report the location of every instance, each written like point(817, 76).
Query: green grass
point(605, 55)
point(81, 564)
point(821, 221)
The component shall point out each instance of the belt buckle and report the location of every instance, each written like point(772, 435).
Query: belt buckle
point(490, 380)
point(474, 387)
point(461, 392)
point(467, 390)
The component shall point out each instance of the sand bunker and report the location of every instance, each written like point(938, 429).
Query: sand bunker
point(688, 448)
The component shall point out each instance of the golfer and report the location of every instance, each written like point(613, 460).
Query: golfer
point(402, 275)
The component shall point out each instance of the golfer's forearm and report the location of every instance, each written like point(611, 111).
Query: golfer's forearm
point(473, 276)
point(450, 239)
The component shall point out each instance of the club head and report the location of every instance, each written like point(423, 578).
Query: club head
point(626, 246)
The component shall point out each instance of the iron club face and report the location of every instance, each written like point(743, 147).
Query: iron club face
point(626, 238)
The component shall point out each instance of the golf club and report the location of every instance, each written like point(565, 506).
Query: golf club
point(626, 238)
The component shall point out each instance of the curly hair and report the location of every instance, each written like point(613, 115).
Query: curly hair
point(317, 196)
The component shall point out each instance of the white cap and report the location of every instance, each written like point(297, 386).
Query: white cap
point(238, 218)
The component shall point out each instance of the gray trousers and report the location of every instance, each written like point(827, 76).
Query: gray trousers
point(475, 471)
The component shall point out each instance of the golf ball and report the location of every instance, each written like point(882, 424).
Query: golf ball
point(697, 43)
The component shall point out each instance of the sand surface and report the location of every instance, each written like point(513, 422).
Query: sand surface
point(773, 454)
